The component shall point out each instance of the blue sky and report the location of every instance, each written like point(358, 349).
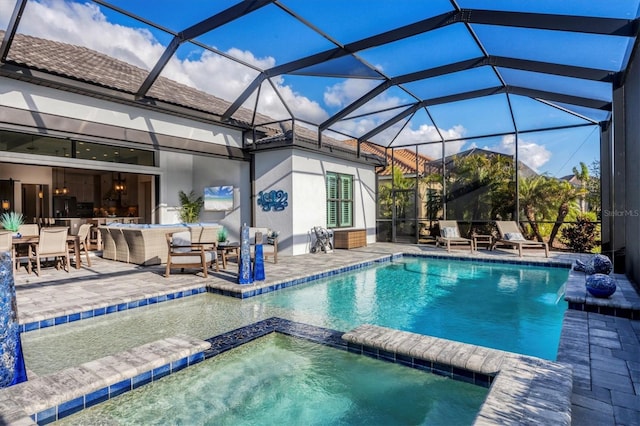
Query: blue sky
point(271, 37)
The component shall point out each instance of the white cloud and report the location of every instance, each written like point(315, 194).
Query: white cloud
point(529, 152)
point(84, 24)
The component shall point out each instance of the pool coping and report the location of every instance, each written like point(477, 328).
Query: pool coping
point(45, 399)
point(521, 388)
point(245, 291)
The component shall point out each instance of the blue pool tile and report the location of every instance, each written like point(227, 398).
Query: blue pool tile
point(86, 314)
point(442, 369)
point(47, 416)
point(483, 380)
point(463, 375)
point(404, 360)
point(196, 358)
point(74, 317)
point(141, 379)
point(96, 397)
point(171, 296)
point(119, 388)
point(99, 312)
point(179, 364)
point(354, 348)
point(70, 407)
point(123, 307)
point(133, 304)
point(386, 355)
point(21, 328)
point(30, 326)
point(61, 320)
point(422, 364)
point(162, 298)
point(143, 302)
point(111, 309)
point(47, 323)
point(161, 371)
point(153, 300)
point(369, 351)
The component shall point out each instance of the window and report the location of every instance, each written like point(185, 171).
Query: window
point(339, 200)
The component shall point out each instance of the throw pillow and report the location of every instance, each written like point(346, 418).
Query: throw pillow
point(450, 232)
point(182, 238)
point(513, 236)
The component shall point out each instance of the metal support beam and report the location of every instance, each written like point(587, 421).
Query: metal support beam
point(243, 97)
point(559, 97)
point(12, 27)
point(202, 27)
point(546, 21)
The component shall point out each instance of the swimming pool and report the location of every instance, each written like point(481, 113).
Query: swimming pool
point(279, 379)
point(503, 306)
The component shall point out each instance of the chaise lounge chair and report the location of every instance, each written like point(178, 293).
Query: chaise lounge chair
point(511, 235)
point(450, 235)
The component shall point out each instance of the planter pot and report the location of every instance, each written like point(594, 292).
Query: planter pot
point(600, 285)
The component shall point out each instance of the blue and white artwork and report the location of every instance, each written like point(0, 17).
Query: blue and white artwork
point(273, 200)
point(218, 198)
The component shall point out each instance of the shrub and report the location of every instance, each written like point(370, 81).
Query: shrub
point(581, 235)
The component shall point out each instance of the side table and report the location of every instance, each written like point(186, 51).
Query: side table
point(228, 249)
point(486, 240)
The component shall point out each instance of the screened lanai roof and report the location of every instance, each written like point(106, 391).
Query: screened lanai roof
point(395, 73)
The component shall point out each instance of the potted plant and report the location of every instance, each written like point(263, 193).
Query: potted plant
point(11, 221)
point(222, 235)
point(191, 206)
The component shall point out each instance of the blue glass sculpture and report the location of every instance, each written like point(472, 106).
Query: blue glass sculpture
point(244, 264)
point(258, 266)
point(600, 285)
point(12, 369)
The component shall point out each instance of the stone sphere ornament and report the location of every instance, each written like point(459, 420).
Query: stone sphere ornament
point(601, 285)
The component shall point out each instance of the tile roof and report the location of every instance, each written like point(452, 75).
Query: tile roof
point(85, 65)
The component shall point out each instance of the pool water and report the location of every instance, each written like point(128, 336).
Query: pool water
point(501, 306)
point(280, 380)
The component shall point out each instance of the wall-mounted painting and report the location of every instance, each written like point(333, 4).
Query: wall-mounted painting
point(218, 198)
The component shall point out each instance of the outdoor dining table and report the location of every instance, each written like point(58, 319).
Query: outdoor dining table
point(34, 239)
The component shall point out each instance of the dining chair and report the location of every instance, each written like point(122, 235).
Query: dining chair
point(29, 229)
point(52, 243)
point(6, 244)
point(83, 240)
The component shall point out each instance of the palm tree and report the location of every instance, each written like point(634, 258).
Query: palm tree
point(535, 201)
point(565, 194)
point(582, 175)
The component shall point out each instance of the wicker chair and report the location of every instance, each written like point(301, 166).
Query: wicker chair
point(184, 254)
point(52, 243)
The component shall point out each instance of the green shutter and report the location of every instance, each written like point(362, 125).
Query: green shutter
point(346, 187)
point(332, 186)
point(332, 203)
point(332, 214)
point(346, 213)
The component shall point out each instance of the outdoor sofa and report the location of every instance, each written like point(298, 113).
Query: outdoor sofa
point(144, 244)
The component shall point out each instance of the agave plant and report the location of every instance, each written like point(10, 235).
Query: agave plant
point(11, 221)
point(222, 235)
